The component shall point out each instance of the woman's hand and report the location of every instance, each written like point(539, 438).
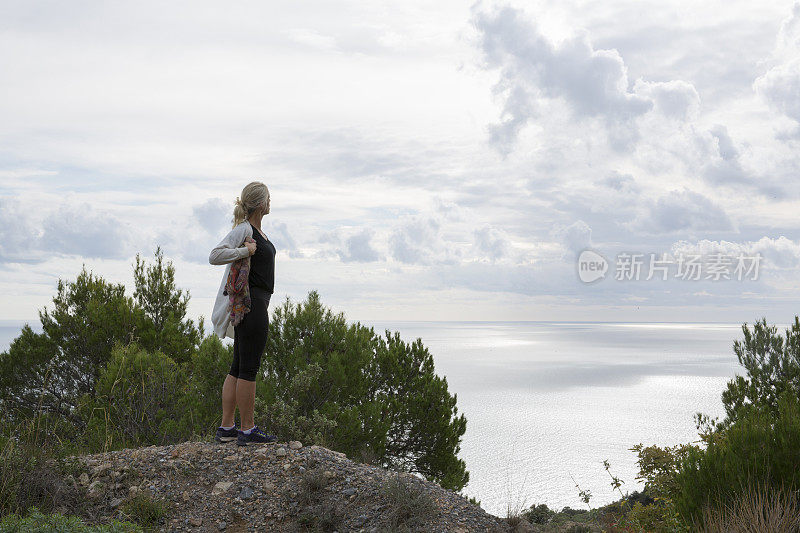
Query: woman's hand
point(251, 246)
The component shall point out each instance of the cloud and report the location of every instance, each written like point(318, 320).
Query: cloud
point(675, 99)
point(490, 242)
point(620, 182)
point(419, 240)
point(278, 233)
point(19, 240)
point(575, 237)
point(593, 82)
point(214, 215)
point(685, 211)
point(80, 230)
point(359, 248)
point(778, 253)
point(780, 85)
point(726, 169)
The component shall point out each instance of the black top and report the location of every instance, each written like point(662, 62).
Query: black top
point(262, 263)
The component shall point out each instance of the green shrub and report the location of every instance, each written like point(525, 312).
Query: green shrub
point(140, 397)
point(145, 510)
point(36, 522)
point(759, 447)
point(288, 415)
point(538, 514)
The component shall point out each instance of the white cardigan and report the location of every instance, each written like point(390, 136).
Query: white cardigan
point(229, 249)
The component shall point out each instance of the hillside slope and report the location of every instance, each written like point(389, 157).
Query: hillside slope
point(274, 487)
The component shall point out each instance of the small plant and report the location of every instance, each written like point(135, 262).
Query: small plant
point(409, 505)
point(330, 517)
point(473, 500)
point(306, 519)
point(312, 481)
point(585, 495)
point(144, 509)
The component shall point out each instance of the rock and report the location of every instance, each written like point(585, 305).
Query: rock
point(350, 491)
point(280, 452)
point(222, 526)
point(295, 444)
point(186, 496)
point(196, 522)
point(287, 466)
point(221, 488)
point(133, 490)
point(246, 493)
point(232, 458)
point(84, 479)
point(116, 502)
point(101, 469)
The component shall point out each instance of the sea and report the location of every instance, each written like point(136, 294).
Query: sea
point(547, 403)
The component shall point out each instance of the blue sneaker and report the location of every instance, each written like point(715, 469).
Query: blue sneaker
point(256, 436)
point(227, 435)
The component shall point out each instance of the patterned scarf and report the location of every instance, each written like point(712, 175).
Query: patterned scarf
point(237, 288)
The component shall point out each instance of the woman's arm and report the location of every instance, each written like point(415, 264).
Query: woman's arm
point(228, 249)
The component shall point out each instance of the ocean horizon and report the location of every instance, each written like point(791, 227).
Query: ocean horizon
point(547, 402)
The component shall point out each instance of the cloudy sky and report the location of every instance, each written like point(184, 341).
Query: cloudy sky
point(442, 161)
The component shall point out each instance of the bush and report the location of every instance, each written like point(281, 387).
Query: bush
point(757, 447)
point(140, 397)
point(361, 394)
point(538, 514)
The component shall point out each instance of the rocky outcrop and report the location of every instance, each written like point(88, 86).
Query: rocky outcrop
point(208, 486)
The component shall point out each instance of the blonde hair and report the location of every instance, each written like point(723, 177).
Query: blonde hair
point(253, 195)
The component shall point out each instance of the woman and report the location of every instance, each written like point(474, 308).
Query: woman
point(250, 335)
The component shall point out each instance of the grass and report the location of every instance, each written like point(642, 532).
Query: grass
point(37, 522)
point(409, 506)
point(760, 507)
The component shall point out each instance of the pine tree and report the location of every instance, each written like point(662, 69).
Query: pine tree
point(371, 398)
point(165, 307)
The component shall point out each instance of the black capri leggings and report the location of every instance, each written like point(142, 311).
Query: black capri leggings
point(250, 336)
